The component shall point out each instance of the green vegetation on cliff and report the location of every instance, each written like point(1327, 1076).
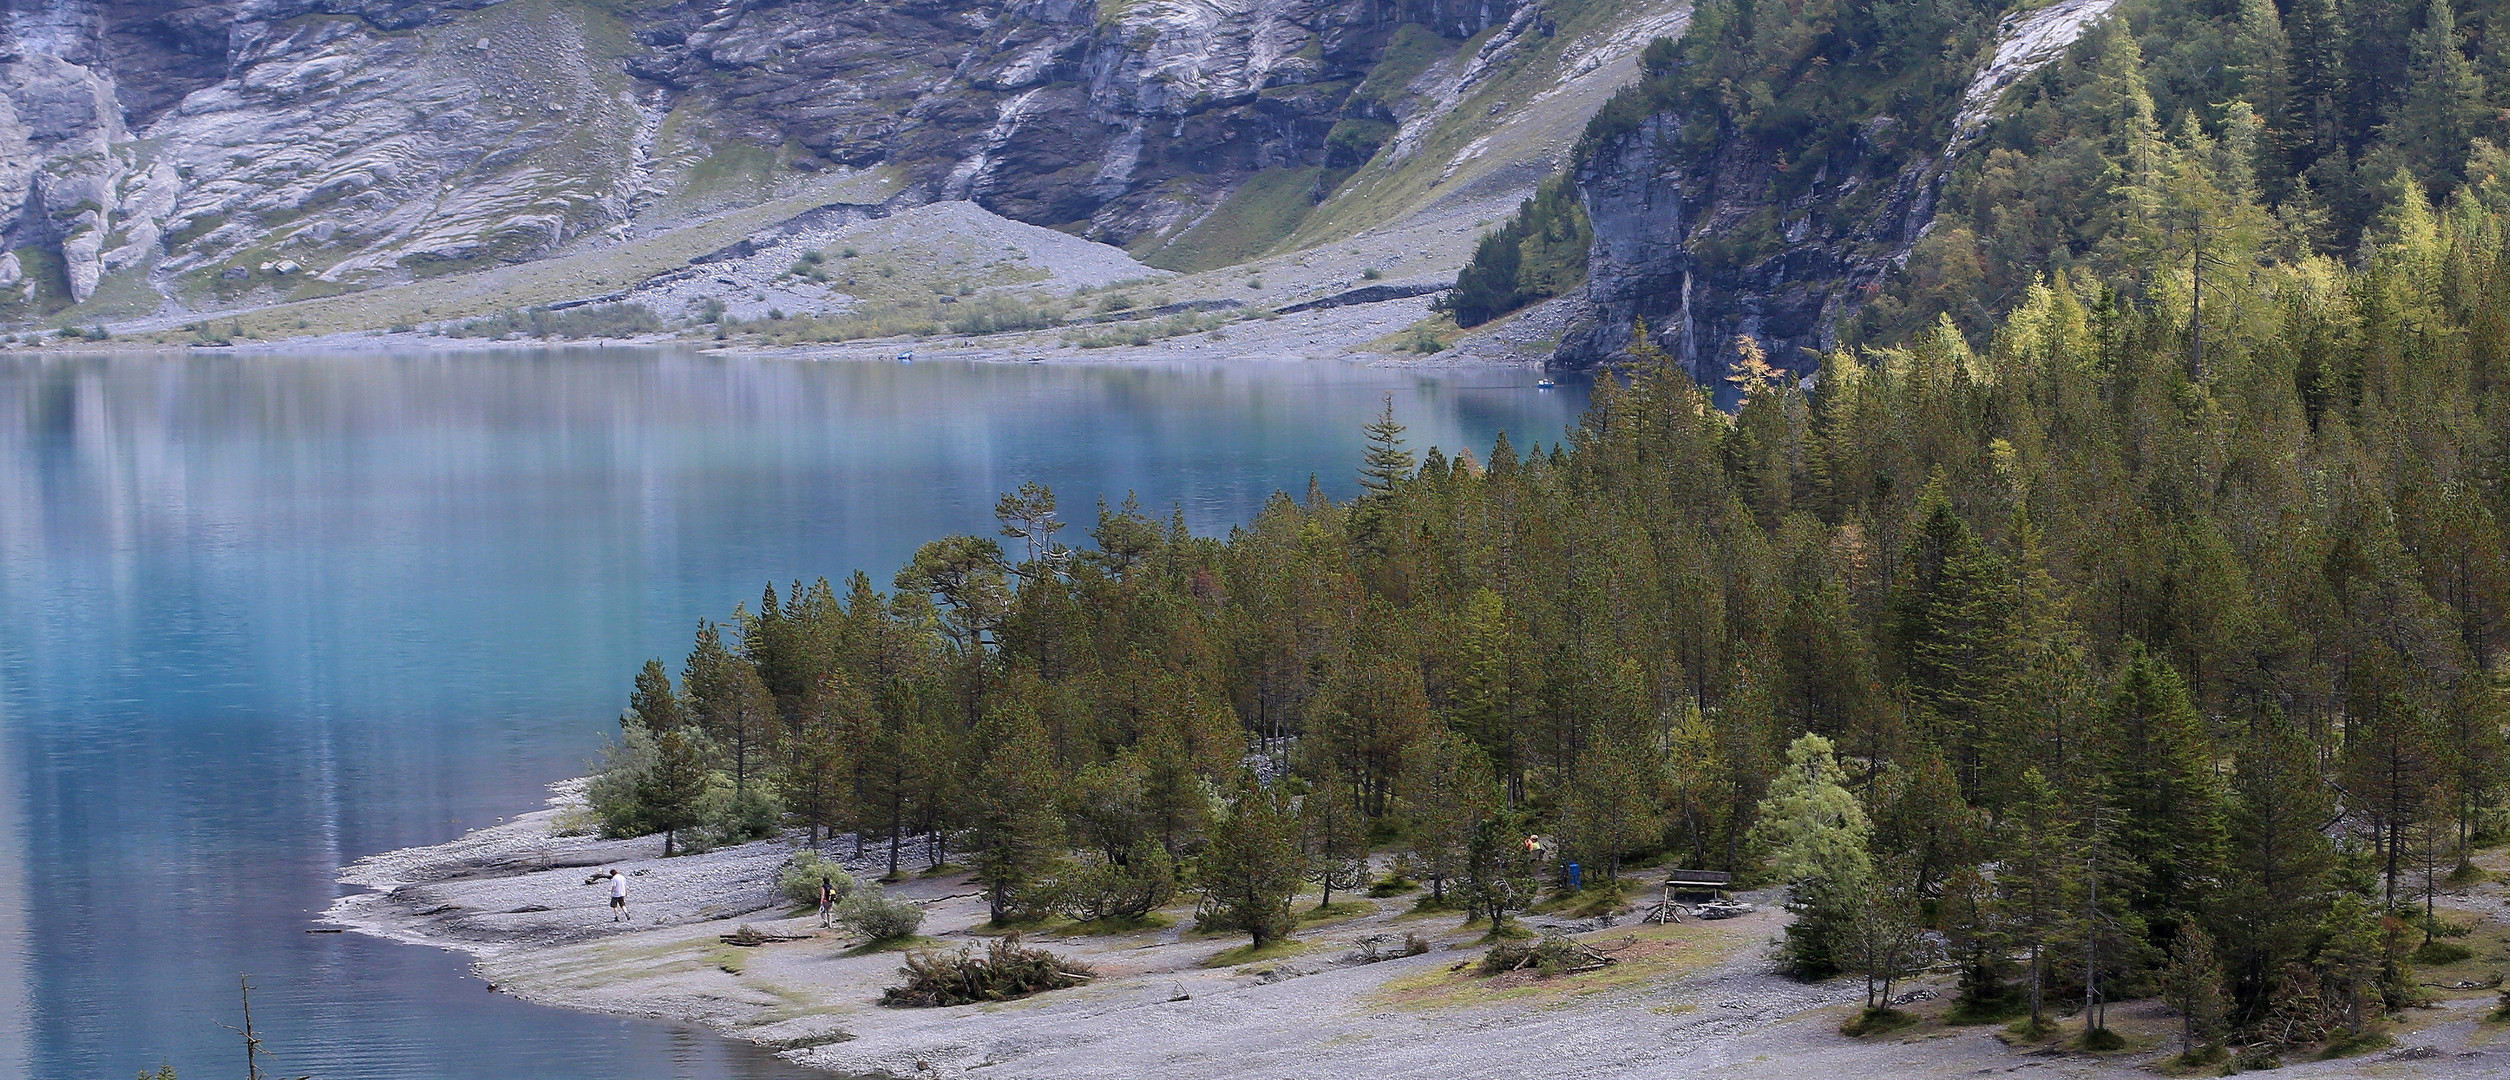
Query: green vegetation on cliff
point(1540, 253)
point(2169, 137)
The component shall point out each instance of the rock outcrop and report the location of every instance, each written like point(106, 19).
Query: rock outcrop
point(242, 151)
point(1709, 244)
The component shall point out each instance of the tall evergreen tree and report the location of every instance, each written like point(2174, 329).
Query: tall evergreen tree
point(1253, 868)
point(1816, 835)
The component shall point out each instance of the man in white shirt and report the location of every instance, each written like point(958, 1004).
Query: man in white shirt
point(618, 895)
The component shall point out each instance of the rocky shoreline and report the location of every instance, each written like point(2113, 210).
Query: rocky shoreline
point(524, 901)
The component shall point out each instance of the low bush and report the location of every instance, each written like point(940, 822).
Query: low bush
point(799, 879)
point(1392, 885)
point(874, 915)
point(1099, 888)
point(1006, 971)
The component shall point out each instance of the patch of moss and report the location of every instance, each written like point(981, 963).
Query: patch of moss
point(912, 941)
point(1249, 953)
point(2367, 1040)
point(1878, 1022)
point(1329, 912)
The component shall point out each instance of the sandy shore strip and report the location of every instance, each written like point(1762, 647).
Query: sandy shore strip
point(1686, 999)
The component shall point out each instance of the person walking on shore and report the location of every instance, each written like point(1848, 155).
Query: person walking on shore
point(618, 895)
point(827, 899)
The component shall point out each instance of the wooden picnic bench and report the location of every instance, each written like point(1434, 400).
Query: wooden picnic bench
point(1678, 882)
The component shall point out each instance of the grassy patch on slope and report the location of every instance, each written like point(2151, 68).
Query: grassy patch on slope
point(1258, 215)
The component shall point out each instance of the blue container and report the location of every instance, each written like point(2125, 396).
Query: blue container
point(1573, 878)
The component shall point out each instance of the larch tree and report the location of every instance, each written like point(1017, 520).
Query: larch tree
point(1450, 788)
point(1816, 835)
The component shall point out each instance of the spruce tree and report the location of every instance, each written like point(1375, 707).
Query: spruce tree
point(2279, 858)
point(1954, 620)
point(2158, 775)
point(2443, 107)
point(1386, 463)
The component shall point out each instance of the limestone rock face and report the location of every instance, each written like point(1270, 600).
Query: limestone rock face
point(201, 155)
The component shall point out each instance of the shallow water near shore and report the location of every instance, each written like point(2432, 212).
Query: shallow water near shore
point(261, 615)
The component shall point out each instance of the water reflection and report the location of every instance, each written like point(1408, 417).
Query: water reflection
point(260, 615)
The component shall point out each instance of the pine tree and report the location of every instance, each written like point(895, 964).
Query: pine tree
point(1500, 866)
point(1253, 868)
point(1028, 515)
point(672, 791)
point(653, 702)
point(1448, 789)
point(1012, 818)
point(816, 764)
point(1612, 802)
point(730, 703)
point(2036, 875)
point(1335, 845)
point(2390, 761)
point(1881, 938)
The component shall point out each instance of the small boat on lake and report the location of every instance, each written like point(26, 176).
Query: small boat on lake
point(1545, 384)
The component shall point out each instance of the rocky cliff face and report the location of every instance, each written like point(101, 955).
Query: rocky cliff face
point(1710, 242)
point(242, 151)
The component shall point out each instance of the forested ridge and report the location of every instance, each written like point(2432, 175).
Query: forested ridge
point(2222, 133)
point(2111, 656)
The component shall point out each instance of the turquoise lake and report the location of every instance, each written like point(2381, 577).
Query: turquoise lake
point(262, 615)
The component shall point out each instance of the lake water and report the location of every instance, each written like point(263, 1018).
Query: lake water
point(262, 615)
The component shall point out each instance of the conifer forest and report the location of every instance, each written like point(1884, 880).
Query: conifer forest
point(2124, 603)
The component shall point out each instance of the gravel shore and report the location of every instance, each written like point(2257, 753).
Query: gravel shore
point(1692, 998)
